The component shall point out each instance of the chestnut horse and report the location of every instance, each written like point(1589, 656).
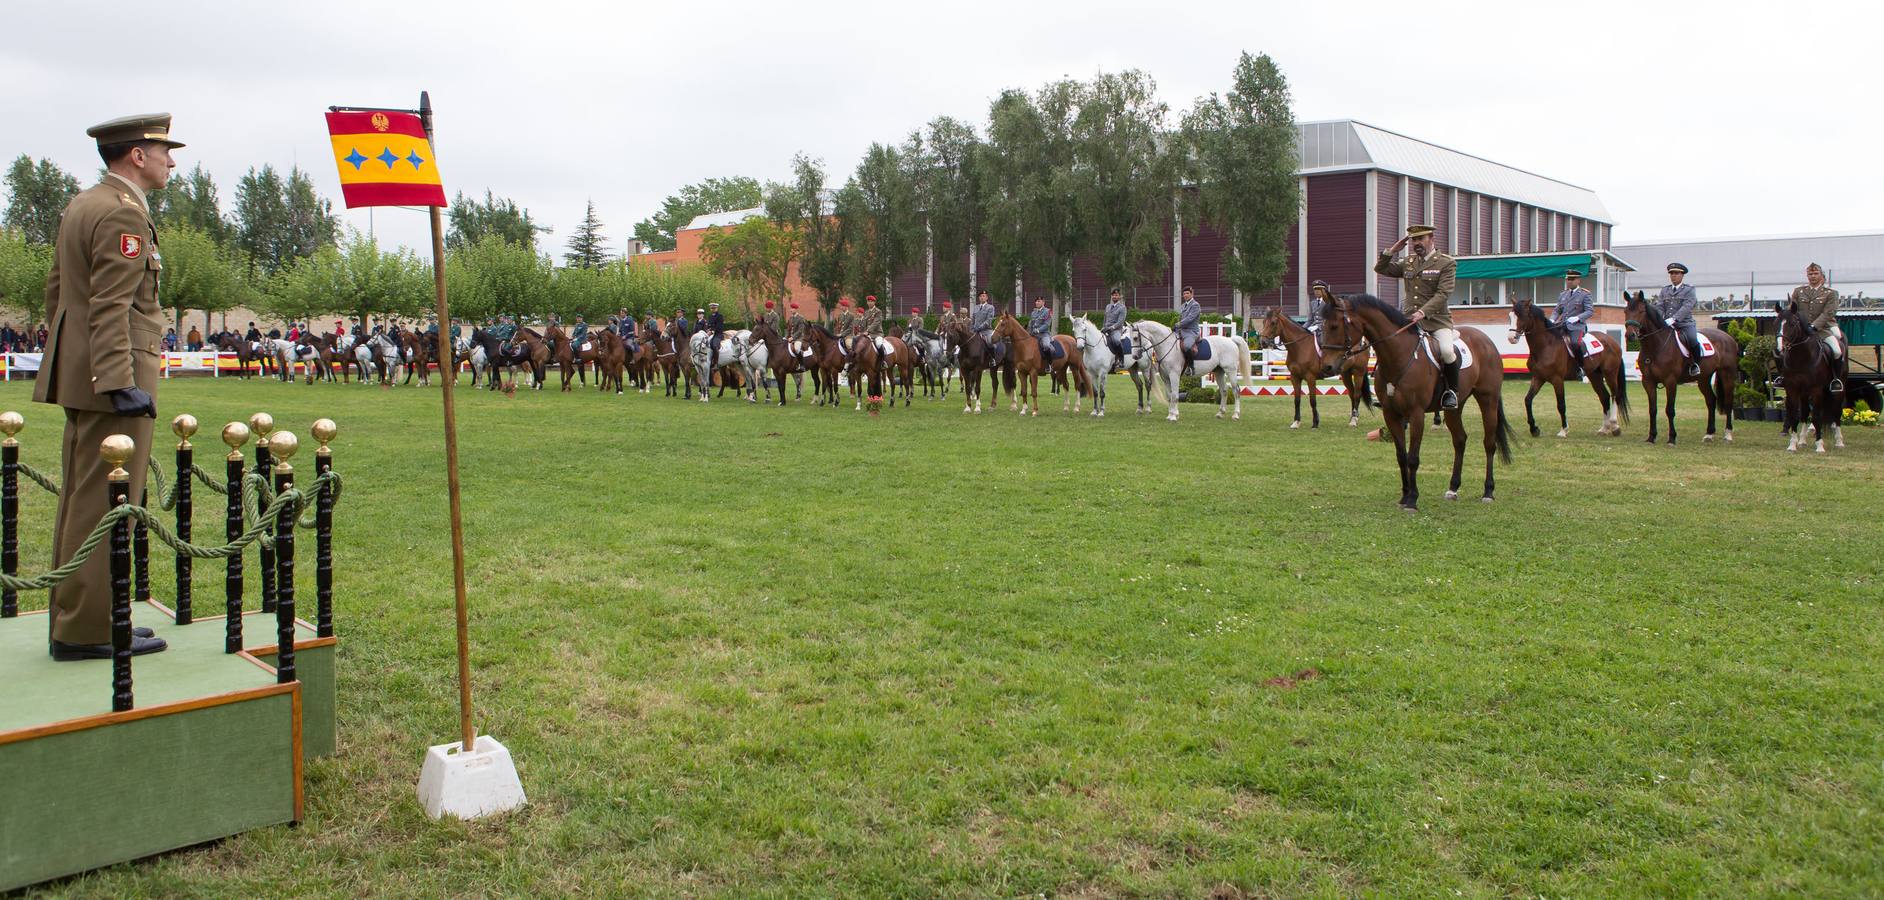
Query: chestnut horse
point(611, 358)
point(1807, 368)
point(1307, 361)
point(827, 360)
point(1024, 351)
point(1550, 360)
point(1411, 387)
point(1662, 362)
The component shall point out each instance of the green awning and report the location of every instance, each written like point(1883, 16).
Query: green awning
point(1549, 265)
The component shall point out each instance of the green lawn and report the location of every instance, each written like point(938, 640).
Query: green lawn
point(749, 651)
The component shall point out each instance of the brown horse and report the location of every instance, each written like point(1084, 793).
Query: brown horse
point(1024, 351)
point(1411, 388)
point(611, 359)
point(1351, 364)
point(901, 366)
point(420, 350)
point(1807, 369)
point(1662, 362)
point(865, 368)
point(531, 350)
point(644, 367)
point(778, 359)
point(973, 356)
point(247, 354)
point(827, 361)
point(1550, 361)
point(1307, 362)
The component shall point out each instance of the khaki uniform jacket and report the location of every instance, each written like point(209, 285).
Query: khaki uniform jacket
point(912, 326)
point(944, 321)
point(872, 322)
point(1426, 284)
point(798, 327)
point(1820, 307)
point(101, 300)
point(770, 317)
point(845, 319)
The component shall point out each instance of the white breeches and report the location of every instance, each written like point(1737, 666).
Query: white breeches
point(1445, 343)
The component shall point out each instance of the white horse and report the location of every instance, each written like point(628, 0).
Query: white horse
point(283, 353)
point(753, 359)
point(933, 352)
point(386, 369)
point(1096, 357)
point(732, 348)
point(472, 353)
point(1229, 361)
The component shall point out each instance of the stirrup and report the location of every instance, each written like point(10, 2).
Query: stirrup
point(1837, 386)
point(1449, 399)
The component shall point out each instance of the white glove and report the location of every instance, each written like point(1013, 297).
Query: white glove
point(1670, 322)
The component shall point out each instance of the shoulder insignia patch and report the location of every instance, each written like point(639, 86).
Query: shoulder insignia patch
point(130, 245)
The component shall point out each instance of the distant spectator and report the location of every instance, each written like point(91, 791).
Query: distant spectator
point(39, 343)
point(194, 340)
point(170, 340)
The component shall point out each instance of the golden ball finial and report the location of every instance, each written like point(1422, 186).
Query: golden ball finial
point(183, 426)
point(324, 430)
point(282, 445)
point(11, 423)
point(235, 434)
point(260, 425)
point(117, 449)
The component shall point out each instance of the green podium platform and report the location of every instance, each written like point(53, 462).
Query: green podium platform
point(213, 746)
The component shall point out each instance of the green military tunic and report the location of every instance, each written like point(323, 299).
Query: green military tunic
point(797, 327)
point(872, 322)
point(1426, 284)
point(845, 320)
point(1819, 305)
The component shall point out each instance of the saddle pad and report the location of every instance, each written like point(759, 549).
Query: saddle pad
point(1465, 353)
point(1591, 345)
point(1707, 346)
point(1200, 351)
point(587, 346)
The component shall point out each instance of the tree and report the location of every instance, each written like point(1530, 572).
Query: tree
point(588, 247)
point(1030, 164)
point(189, 201)
point(714, 195)
point(881, 212)
point(803, 207)
point(200, 274)
point(752, 258)
point(500, 216)
point(24, 266)
point(953, 195)
point(1243, 155)
point(357, 279)
point(36, 198)
point(1124, 180)
point(492, 276)
point(279, 222)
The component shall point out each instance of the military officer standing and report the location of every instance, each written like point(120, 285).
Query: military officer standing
point(1676, 307)
point(101, 363)
point(1819, 304)
point(1427, 276)
point(1574, 308)
point(1118, 341)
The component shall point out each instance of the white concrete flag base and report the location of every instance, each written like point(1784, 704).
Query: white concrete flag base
point(470, 785)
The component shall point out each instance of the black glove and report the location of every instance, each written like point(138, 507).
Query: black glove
point(132, 401)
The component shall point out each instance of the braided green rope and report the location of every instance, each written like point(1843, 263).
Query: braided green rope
point(209, 482)
point(44, 480)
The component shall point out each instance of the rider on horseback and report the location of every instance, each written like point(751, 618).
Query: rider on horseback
point(1676, 307)
point(1819, 304)
point(715, 327)
point(798, 330)
point(577, 334)
point(846, 323)
point(912, 331)
point(981, 322)
point(1040, 325)
point(503, 332)
point(1574, 308)
point(1428, 276)
point(1319, 293)
point(871, 324)
point(1117, 340)
point(1189, 326)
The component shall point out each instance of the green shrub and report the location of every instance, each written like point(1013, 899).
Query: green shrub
point(1756, 361)
point(1747, 396)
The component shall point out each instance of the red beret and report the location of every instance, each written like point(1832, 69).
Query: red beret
point(794, 306)
point(947, 305)
point(844, 302)
point(768, 304)
point(915, 310)
point(871, 297)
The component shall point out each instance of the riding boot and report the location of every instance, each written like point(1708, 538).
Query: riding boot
point(1450, 371)
point(1694, 358)
point(1577, 356)
point(1841, 367)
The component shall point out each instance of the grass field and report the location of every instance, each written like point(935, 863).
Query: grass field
point(759, 652)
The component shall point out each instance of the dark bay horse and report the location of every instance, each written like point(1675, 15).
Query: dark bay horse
point(247, 354)
point(973, 356)
point(778, 360)
point(611, 359)
point(1307, 361)
point(1550, 361)
point(1351, 364)
point(1410, 381)
point(1662, 362)
point(1807, 369)
point(827, 361)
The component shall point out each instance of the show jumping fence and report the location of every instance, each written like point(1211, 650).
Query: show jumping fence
point(264, 507)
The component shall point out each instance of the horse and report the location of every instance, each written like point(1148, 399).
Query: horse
point(418, 349)
point(246, 353)
point(1550, 361)
point(563, 353)
point(1351, 365)
point(645, 366)
point(827, 361)
point(1229, 362)
point(529, 349)
point(1097, 358)
point(1304, 358)
point(283, 353)
point(767, 350)
point(483, 352)
point(900, 363)
point(700, 351)
point(679, 374)
point(973, 356)
point(1663, 362)
point(1029, 364)
point(380, 355)
point(1409, 373)
point(864, 369)
point(1807, 369)
point(611, 358)
point(931, 360)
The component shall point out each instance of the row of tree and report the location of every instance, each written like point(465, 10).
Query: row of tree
point(1090, 169)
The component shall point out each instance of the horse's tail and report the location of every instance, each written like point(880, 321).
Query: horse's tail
point(1158, 389)
point(1504, 433)
point(1243, 364)
point(1619, 390)
point(1367, 388)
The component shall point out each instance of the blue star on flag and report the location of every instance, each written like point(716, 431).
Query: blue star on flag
point(353, 156)
point(386, 156)
point(415, 159)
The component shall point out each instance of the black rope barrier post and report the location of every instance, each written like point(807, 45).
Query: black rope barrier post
point(283, 444)
point(183, 427)
point(117, 449)
point(236, 435)
point(260, 425)
point(140, 554)
point(324, 431)
point(10, 424)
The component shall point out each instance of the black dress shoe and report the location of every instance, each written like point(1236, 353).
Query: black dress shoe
point(141, 631)
point(64, 652)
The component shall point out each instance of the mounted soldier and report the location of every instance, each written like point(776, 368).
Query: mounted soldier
point(578, 333)
point(715, 328)
point(1117, 338)
point(798, 331)
point(771, 319)
point(1190, 325)
point(981, 322)
point(503, 332)
point(845, 324)
point(1819, 304)
point(1676, 307)
point(1427, 277)
point(1574, 308)
point(913, 332)
point(1040, 325)
point(1318, 293)
point(871, 324)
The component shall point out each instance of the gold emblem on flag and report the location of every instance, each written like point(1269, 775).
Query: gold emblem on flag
point(380, 122)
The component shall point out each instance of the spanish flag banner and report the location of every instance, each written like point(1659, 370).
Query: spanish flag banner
point(384, 159)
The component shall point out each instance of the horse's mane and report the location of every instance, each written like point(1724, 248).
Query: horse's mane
point(818, 328)
point(1369, 301)
point(531, 332)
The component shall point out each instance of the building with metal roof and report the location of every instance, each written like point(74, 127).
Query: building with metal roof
point(1737, 273)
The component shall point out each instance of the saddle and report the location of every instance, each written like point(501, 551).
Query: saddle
point(1199, 352)
point(1591, 346)
point(1050, 349)
point(1707, 346)
point(1459, 347)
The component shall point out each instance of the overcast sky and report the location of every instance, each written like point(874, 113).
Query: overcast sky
point(1689, 120)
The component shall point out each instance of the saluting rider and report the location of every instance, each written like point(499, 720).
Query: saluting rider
point(1427, 277)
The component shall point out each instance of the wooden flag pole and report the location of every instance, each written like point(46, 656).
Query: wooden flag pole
point(449, 374)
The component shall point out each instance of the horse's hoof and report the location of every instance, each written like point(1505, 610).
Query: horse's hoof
point(1236, 417)
point(1294, 425)
point(1707, 438)
point(1730, 438)
point(1452, 495)
point(1792, 448)
point(1485, 499)
point(1563, 433)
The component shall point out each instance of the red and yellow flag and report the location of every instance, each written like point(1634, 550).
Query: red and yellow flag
point(384, 159)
